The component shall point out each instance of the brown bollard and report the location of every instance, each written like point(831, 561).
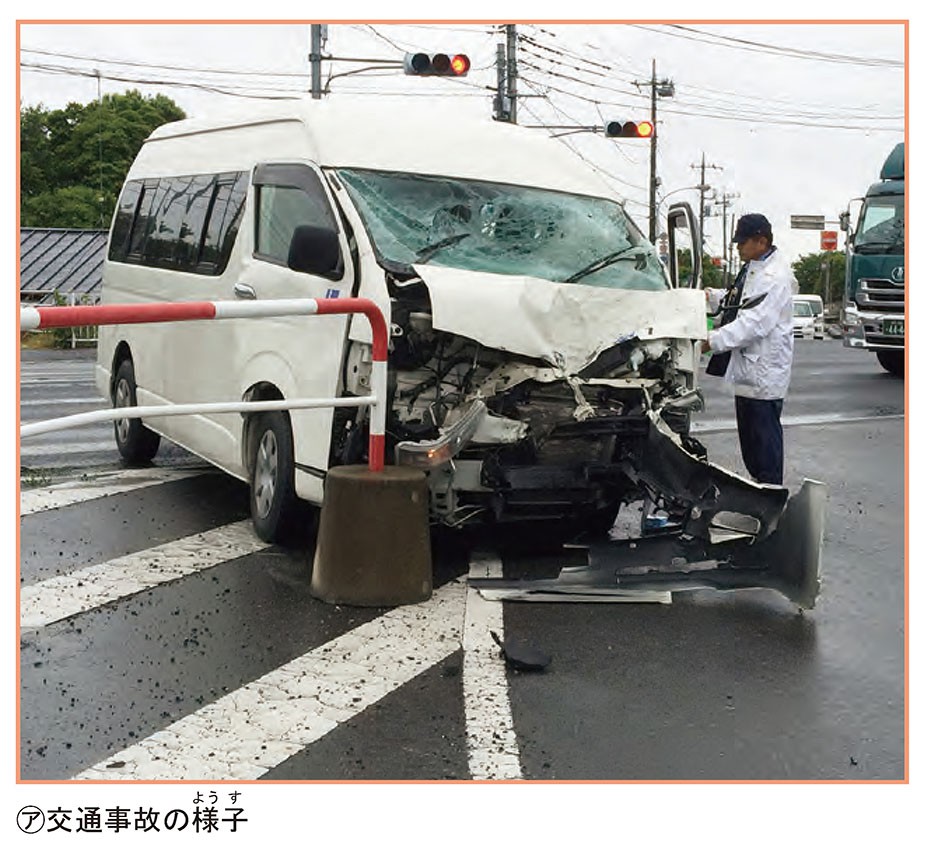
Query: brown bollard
point(373, 544)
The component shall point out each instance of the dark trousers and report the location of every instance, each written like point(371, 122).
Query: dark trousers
point(761, 438)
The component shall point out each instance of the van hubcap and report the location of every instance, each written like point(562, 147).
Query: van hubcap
point(123, 400)
point(265, 473)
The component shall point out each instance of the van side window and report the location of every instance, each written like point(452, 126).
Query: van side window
point(122, 222)
point(222, 221)
point(184, 223)
point(288, 196)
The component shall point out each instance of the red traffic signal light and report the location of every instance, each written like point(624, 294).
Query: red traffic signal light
point(640, 130)
point(436, 65)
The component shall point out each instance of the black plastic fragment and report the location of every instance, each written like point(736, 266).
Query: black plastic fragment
point(521, 656)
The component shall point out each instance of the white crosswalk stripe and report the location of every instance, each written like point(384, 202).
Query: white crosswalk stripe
point(100, 485)
point(88, 588)
point(493, 753)
point(248, 732)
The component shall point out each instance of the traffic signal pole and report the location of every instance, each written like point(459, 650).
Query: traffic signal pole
point(511, 72)
point(316, 60)
point(659, 89)
point(653, 164)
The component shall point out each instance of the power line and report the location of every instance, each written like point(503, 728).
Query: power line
point(760, 47)
point(161, 67)
point(573, 149)
point(797, 52)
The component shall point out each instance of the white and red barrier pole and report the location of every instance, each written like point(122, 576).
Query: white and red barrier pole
point(42, 318)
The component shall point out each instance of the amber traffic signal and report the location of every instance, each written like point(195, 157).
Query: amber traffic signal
point(640, 130)
point(436, 65)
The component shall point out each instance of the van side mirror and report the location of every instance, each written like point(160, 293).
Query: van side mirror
point(315, 250)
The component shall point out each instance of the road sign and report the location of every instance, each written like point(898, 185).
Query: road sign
point(807, 221)
point(828, 240)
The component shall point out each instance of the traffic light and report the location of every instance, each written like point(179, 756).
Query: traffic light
point(436, 65)
point(641, 130)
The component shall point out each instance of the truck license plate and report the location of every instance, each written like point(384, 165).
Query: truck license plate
point(893, 327)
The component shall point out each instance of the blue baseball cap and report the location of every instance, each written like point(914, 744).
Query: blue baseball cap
point(749, 226)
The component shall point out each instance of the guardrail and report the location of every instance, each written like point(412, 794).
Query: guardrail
point(83, 335)
point(40, 318)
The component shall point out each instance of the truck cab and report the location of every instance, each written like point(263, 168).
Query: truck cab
point(875, 290)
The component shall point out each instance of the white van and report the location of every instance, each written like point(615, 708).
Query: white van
point(531, 322)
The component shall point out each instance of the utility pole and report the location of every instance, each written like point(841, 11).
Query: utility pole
point(723, 200)
point(501, 113)
point(100, 150)
point(511, 72)
point(703, 188)
point(659, 89)
point(318, 36)
point(653, 166)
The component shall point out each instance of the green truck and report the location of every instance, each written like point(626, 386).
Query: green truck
point(875, 288)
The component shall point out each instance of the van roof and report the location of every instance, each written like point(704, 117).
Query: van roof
point(384, 134)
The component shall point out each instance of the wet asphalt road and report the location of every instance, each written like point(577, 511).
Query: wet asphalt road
point(715, 686)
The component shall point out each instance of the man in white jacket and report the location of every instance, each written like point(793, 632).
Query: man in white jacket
point(760, 343)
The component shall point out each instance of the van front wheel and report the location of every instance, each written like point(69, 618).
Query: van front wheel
point(136, 443)
point(273, 499)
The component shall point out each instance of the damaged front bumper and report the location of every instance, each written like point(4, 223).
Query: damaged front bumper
point(732, 534)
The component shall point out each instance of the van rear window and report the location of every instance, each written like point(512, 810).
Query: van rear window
point(183, 223)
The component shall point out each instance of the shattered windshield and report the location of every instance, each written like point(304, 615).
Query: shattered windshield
point(502, 229)
point(880, 228)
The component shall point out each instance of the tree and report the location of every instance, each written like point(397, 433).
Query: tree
point(811, 272)
point(73, 161)
point(711, 276)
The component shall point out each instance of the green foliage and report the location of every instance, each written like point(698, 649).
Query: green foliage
point(73, 161)
point(712, 277)
point(65, 208)
point(811, 273)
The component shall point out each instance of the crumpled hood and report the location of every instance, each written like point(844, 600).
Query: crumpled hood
point(565, 324)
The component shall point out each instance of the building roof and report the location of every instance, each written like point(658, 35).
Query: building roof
point(66, 261)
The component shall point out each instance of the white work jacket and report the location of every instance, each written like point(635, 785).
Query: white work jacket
point(761, 339)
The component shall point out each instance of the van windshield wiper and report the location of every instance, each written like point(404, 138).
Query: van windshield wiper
point(628, 254)
point(427, 252)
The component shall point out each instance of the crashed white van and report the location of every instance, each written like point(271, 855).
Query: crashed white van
point(538, 346)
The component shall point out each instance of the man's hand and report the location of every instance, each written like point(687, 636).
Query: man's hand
point(705, 346)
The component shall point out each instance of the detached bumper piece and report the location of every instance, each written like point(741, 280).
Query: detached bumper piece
point(737, 535)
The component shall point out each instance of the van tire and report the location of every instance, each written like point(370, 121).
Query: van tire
point(272, 497)
point(136, 443)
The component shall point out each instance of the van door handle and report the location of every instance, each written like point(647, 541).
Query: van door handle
point(244, 292)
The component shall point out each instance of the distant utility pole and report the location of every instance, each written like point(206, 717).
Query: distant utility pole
point(723, 200)
point(319, 33)
point(703, 188)
point(660, 89)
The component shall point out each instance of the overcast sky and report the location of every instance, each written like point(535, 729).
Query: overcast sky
point(791, 118)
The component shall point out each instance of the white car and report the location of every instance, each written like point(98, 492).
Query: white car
point(806, 324)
